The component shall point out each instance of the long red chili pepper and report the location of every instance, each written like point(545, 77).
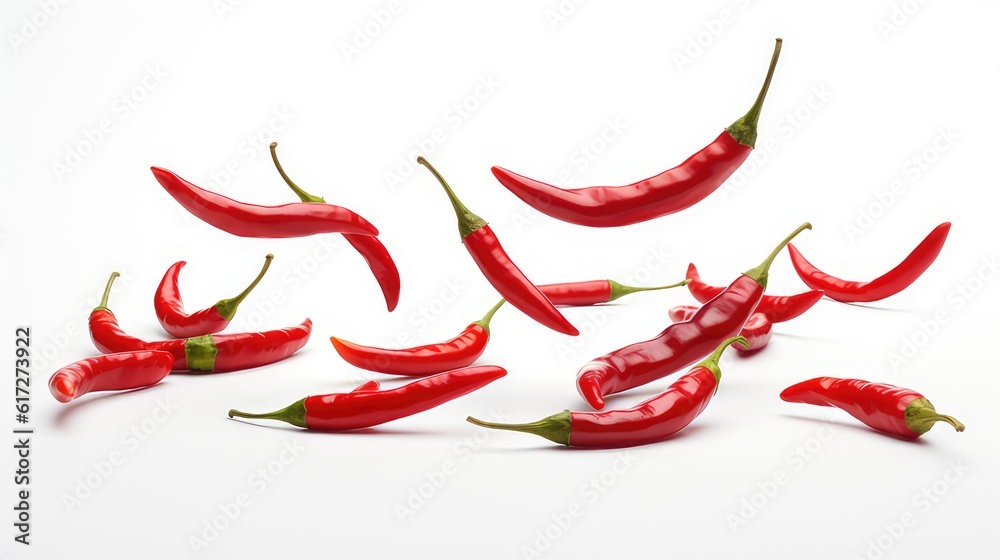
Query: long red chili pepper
point(883, 407)
point(778, 309)
point(680, 344)
point(497, 267)
point(369, 247)
point(366, 406)
point(458, 352)
point(251, 220)
point(110, 372)
point(666, 193)
point(648, 422)
point(594, 292)
point(209, 353)
point(890, 283)
point(170, 307)
point(757, 329)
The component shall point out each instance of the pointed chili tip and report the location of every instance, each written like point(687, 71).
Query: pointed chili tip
point(590, 390)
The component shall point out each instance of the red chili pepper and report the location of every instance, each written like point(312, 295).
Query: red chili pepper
point(251, 220)
point(666, 193)
point(458, 352)
point(170, 308)
point(651, 421)
point(757, 329)
point(890, 283)
point(371, 249)
point(209, 353)
point(680, 344)
point(497, 267)
point(593, 292)
point(366, 406)
point(778, 309)
point(111, 372)
point(883, 407)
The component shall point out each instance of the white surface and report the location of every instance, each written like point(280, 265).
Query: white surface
point(220, 80)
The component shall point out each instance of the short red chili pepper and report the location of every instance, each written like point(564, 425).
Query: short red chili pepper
point(651, 421)
point(498, 268)
point(110, 372)
point(251, 220)
point(170, 307)
point(366, 406)
point(208, 353)
point(885, 408)
point(671, 191)
point(594, 292)
point(458, 352)
point(757, 329)
point(777, 309)
point(368, 246)
point(680, 344)
point(890, 283)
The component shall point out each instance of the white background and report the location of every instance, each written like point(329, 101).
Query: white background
point(868, 98)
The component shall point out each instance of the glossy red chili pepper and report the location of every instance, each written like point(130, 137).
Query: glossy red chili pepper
point(777, 309)
point(369, 247)
point(594, 292)
point(209, 353)
point(458, 352)
point(497, 267)
point(883, 407)
point(890, 283)
point(666, 193)
point(170, 307)
point(757, 329)
point(366, 406)
point(651, 421)
point(110, 372)
point(680, 344)
point(251, 220)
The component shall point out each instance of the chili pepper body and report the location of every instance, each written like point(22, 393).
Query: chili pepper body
point(110, 372)
point(250, 220)
point(777, 309)
point(593, 292)
point(369, 407)
point(660, 195)
point(890, 283)
point(883, 407)
point(757, 329)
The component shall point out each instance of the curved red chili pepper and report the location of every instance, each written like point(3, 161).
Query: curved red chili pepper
point(458, 352)
point(651, 421)
point(890, 283)
point(778, 309)
point(594, 292)
point(110, 372)
point(757, 329)
point(369, 247)
point(666, 193)
point(209, 353)
point(251, 220)
point(680, 344)
point(497, 267)
point(883, 407)
point(170, 307)
point(366, 406)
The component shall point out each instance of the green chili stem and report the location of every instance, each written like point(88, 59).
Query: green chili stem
point(744, 130)
point(759, 273)
point(294, 414)
point(107, 291)
point(468, 221)
point(227, 307)
point(619, 290)
point(485, 321)
point(303, 195)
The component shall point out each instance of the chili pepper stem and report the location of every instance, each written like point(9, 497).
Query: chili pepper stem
point(759, 273)
point(294, 414)
point(303, 195)
point(744, 130)
point(468, 222)
point(711, 363)
point(920, 417)
point(227, 307)
point(555, 428)
point(107, 292)
point(485, 321)
point(619, 290)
